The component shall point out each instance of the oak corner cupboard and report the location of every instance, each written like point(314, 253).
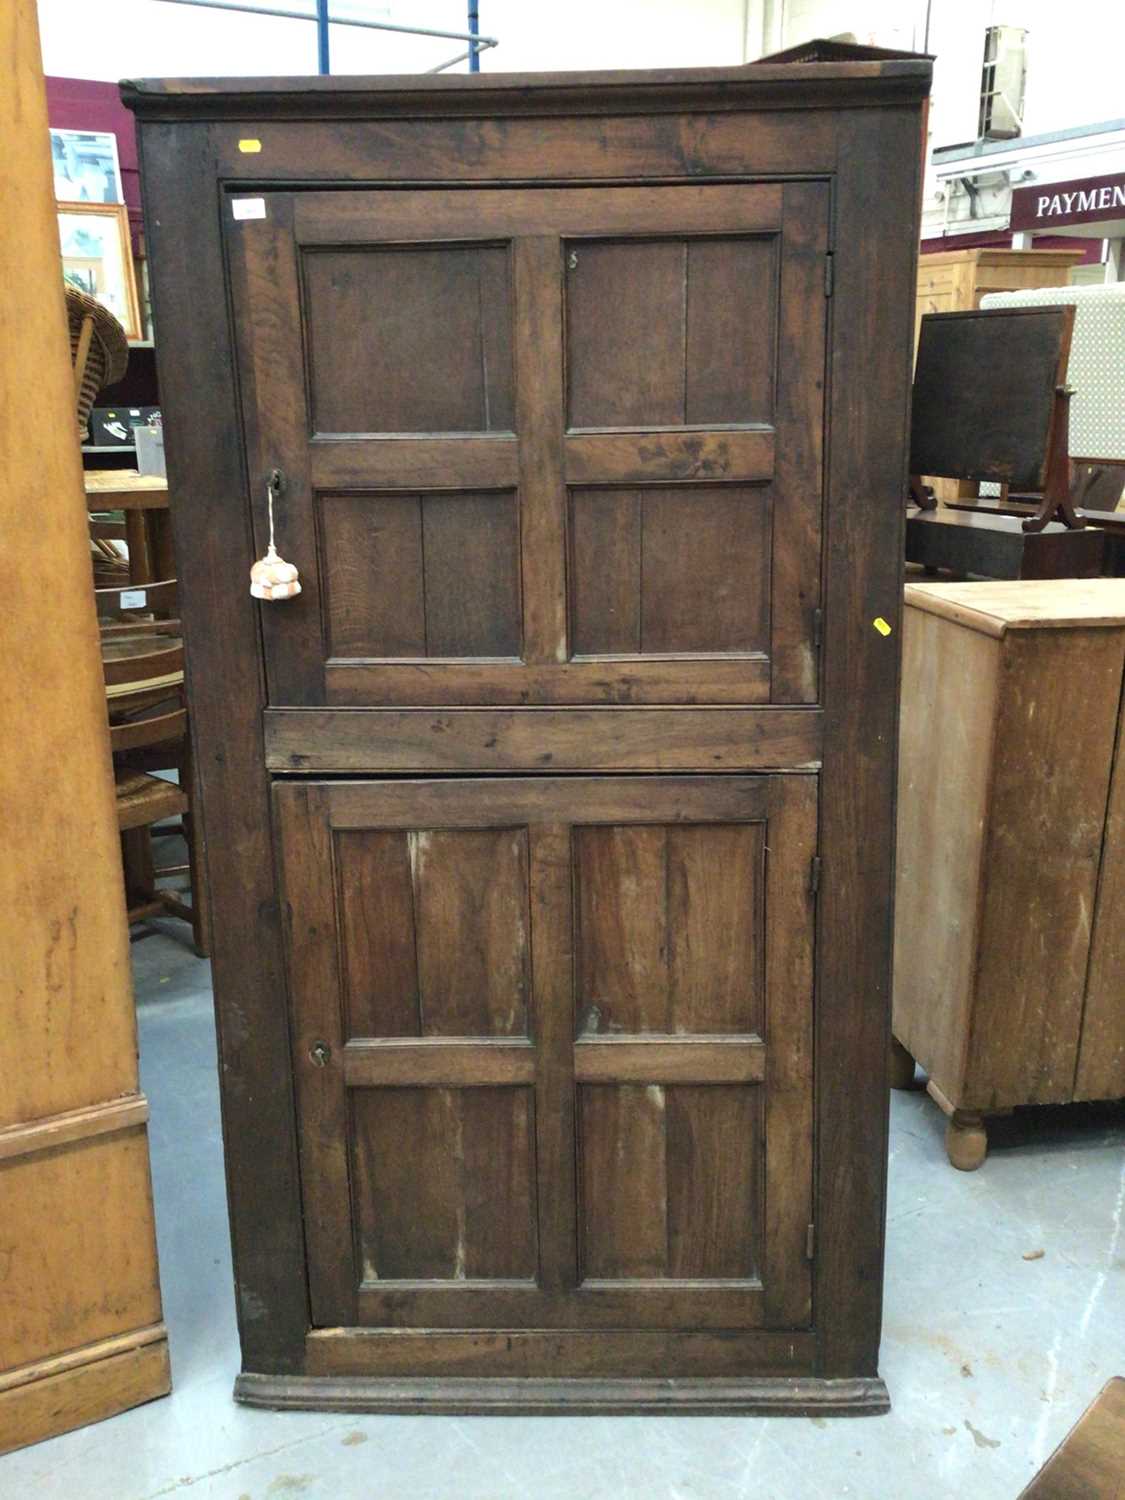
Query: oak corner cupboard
point(550, 826)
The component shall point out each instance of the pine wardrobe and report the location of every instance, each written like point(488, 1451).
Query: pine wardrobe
point(549, 828)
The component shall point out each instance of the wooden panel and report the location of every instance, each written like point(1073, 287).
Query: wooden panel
point(375, 603)
point(705, 570)
point(627, 1352)
point(305, 845)
point(622, 1182)
point(407, 1183)
point(53, 1402)
point(460, 1064)
point(213, 541)
point(797, 493)
point(443, 1183)
point(669, 571)
point(605, 572)
point(740, 679)
point(951, 679)
point(470, 544)
point(670, 331)
point(686, 1060)
point(581, 739)
point(1029, 994)
point(416, 576)
point(552, 948)
point(621, 936)
point(625, 313)
point(790, 940)
point(1101, 1054)
point(539, 400)
point(663, 1302)
point(540, 799)
point(409, 339)
point(668, 933)
point(377, 940)
point(94, 1273)
point(341, 217)
point(413, 463)
point(731, 330)
point(715, 950)
point(470, 902)
point(710, 140)
point(661, 1198)
point(714, 1186)
point(870, 352)
point(650, 457)
point(273, 404)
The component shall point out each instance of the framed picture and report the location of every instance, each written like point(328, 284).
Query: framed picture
point(98, 259)
point(86, 167)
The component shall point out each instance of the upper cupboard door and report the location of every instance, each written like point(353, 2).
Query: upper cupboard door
point(539, 446)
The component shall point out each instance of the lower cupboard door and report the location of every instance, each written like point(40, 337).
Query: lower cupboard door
point(553, 1049)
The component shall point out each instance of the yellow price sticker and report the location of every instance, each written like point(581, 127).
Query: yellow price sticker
point(881, 625)
point(250, 147)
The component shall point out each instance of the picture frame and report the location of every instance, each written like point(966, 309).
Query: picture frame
point(97, 258)
point(86, 166)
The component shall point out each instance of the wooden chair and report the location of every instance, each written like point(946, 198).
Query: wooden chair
point(143, 661)
point(991, 403)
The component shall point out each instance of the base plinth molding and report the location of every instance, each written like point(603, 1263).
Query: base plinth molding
point(458, 1396)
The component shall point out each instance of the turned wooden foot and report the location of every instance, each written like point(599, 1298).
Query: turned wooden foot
point(901, 1066)
point(966, 1140)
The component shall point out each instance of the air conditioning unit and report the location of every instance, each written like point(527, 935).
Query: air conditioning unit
point(1003, 75)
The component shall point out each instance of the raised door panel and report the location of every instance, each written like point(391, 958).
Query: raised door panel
point(441, 357)
point(552, 1044)
point(540, 446)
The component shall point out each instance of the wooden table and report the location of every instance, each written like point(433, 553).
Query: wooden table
point(148, 532)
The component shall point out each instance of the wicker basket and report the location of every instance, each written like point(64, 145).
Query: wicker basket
point(108, 353)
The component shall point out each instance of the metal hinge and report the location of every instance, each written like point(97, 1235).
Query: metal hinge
point(810, 1241)
point(817, 627)
point(829, 261)
point(814, 874)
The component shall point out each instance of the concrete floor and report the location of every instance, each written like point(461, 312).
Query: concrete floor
point(989, 1357)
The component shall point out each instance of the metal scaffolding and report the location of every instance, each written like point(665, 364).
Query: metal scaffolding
point(477, 43)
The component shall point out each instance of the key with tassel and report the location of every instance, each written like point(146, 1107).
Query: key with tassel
point(272, 577)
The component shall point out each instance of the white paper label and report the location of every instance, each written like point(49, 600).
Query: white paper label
point(133, 598)
point(248, 208)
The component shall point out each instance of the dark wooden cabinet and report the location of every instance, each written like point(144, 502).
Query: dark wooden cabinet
point(549, 828)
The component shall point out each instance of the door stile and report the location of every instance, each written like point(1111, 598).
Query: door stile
point(798, 484)
point(273, 389)
point(538, 357)
point(790, 943)
point(317, 1031)
point(552, 1025)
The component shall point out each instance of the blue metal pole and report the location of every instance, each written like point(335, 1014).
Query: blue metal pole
point(322, 36)
point(474, 30)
